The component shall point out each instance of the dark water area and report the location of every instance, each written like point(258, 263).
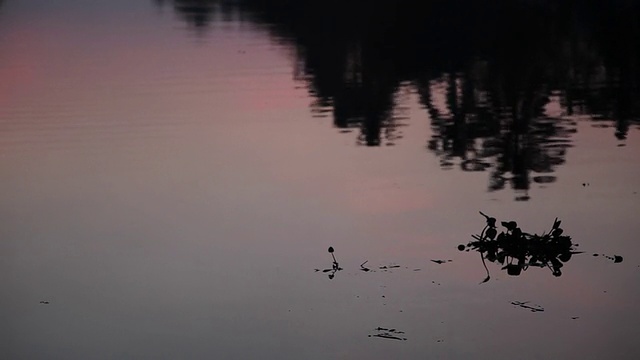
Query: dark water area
point(242, 179)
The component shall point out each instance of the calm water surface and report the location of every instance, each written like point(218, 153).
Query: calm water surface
point(173, 173)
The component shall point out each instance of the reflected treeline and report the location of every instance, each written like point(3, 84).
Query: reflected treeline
point(197, 13)
point(503, 81)
point(200, 13)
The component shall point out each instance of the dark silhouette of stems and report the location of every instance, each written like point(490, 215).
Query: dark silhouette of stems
point(482, 254)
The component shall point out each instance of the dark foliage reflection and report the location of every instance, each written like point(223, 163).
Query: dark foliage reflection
point(503, 81)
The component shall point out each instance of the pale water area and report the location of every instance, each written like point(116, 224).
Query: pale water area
point(174, 172)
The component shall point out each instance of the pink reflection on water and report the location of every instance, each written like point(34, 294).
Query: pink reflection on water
point(386, 196)
point(19, 71)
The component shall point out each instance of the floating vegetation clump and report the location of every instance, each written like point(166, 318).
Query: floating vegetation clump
point(517, 250)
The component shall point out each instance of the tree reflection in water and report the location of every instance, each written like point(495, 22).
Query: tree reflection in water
point(503, 81)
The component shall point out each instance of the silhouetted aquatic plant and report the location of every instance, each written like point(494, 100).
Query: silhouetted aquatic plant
point(335, 262)
point(335, 267)
point(517, 250)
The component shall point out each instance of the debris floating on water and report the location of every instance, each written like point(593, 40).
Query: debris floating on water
point(525, 305)
point(615, 258)
point(363, 268)
point(385, 333)
point(389, 267)
point(441, 261)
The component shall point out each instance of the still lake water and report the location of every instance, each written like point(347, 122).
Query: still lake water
point(173, 173)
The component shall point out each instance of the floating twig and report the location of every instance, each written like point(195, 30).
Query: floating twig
point(524, 305)
point(441, 261)
point(363, 268)
point(388, 334)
